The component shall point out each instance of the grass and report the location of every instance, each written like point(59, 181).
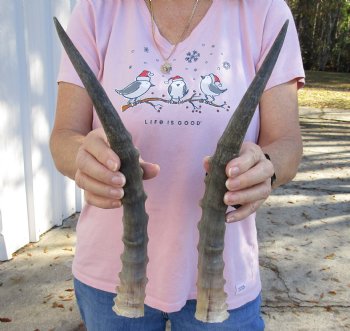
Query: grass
point(326, 90)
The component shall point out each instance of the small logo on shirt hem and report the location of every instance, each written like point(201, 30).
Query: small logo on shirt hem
point(240, 288)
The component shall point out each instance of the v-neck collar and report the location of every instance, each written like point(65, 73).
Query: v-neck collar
point(164, 43)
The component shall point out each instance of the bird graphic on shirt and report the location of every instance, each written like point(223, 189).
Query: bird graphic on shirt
point(177, 89)
point(210, 85)
point(138, 87)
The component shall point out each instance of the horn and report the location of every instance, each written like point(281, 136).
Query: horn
point(211, 297)
point(131, 292)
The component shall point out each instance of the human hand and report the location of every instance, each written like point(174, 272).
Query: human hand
point(248, 182)
point(98, 171)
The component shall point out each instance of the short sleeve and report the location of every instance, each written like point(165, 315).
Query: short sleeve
point(81, 30)
point(289, 65)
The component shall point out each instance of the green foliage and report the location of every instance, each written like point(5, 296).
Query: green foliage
point(324, 33)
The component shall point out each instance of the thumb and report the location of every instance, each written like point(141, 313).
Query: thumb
point(150, 170)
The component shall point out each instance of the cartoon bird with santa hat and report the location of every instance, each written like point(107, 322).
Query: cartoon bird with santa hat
point(137, 88)
point(177, 89)
point(211, 87)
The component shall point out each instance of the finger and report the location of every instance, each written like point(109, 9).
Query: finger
point(258, 174)
point(96, 144)
point(150, 170)
point(249, 195)
point(87, 164)
point(97, 188)
point(250, 155)
point(243, 212)
point(101, 202)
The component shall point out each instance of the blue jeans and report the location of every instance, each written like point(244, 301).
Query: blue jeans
point(96, 310)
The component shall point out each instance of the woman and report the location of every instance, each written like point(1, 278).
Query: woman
point(175, 71)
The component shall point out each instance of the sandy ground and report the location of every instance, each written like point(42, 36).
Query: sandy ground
point(304, 234)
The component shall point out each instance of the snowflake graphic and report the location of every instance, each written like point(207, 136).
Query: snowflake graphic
point(192, 56)
point(146, 49)
point(226, 65)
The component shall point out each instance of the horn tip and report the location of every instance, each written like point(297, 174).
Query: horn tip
point(286, 23)
point(57, 24)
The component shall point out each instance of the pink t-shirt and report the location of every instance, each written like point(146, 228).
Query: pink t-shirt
point(224, 50)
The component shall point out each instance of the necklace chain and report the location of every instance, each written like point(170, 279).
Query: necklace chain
point(166, 67)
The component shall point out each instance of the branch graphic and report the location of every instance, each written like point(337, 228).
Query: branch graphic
point(194, 100)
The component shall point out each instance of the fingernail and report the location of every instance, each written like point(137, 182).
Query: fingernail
point(230, 218)
point(230, 198)
point(232, 183)
point(118, 180)
point(233, 171)
point(114, 192)
point(113, 166)
point(115, 204)
point(226, 200)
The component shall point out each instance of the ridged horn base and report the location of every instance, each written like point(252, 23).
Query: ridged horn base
point(130, 302)
point(217, 312)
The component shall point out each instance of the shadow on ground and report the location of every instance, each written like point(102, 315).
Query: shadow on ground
point(304, 234)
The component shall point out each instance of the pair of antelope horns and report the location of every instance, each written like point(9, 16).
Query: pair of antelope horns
point(211, 298)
